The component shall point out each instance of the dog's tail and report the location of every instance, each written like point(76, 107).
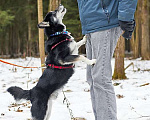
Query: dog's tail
point(19, 93)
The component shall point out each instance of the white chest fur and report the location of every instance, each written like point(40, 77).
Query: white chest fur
point(73, 47)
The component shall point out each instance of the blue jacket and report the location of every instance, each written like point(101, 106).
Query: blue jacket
point(96, 15)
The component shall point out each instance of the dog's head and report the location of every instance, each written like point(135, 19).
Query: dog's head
point(53, 21)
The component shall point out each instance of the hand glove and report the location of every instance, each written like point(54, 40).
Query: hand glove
point(128, 28)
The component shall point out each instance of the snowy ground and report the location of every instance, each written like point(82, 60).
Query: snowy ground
point(132, 94)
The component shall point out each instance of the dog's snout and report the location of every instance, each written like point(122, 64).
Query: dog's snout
point(60, 6)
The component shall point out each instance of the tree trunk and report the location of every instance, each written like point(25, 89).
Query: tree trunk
point(18, 45)
point(119, 72)
point(53, 4)
point(41, 32)
point(145, 50)
point(29, 31)
point(132, 43)
point(136, 52)
point(138, 33)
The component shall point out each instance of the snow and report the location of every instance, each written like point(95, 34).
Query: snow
point(133, 102)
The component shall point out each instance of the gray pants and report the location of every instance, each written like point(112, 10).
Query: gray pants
point(100, 46)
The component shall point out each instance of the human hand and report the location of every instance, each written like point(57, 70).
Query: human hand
point(128, 28)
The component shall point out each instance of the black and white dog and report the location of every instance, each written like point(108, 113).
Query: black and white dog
point(62, 53)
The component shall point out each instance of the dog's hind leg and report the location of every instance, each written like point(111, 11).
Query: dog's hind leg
point(49, 108)
point(39, 109)
point(53, 96)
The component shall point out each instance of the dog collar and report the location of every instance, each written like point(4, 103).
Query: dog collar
point(60, 67)
point(59, 43)
point(58, 33)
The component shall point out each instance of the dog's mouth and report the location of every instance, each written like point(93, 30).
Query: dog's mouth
point(63, 10)
point(43, 25)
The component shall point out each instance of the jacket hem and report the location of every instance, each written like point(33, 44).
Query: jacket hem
point(100, 29)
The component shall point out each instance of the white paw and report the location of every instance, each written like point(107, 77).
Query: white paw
point(84, 39)
point(92, 62)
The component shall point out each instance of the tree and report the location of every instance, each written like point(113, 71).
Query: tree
point(15, 36)
point(138, 32)
point(119, 72)
point(41, 32)
point(5, 18)
point(53, 4)
point(145, 50)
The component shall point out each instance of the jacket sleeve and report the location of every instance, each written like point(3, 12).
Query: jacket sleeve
point(126, 10)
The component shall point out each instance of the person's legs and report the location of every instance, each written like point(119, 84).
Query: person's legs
point(100, 46)
point(88, 74)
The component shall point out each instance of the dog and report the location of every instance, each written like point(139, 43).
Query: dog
point(62, 54)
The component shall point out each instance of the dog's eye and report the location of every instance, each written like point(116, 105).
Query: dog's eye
point(54, 13)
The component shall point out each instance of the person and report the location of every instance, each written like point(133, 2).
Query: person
point(103, 21)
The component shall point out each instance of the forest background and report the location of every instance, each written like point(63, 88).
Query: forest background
point(19, 32)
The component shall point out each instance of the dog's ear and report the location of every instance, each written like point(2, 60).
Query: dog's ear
point(43, 25)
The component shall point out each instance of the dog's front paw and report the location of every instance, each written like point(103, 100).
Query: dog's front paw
point(84, 39)
point(92, 62)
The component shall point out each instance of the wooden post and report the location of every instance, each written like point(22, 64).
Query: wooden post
point(41, 32)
